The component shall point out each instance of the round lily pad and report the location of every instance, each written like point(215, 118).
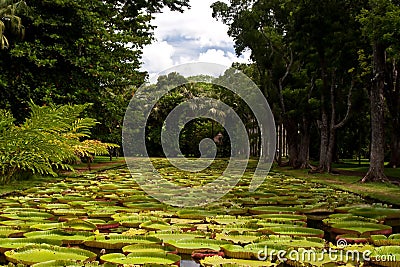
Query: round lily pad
point(32, 254)
point(141, 258)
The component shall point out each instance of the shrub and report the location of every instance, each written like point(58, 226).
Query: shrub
point(51, 138)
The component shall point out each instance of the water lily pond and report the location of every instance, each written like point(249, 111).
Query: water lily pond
point(105, 219)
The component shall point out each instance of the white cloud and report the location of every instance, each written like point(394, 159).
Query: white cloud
point(158, 57)
point(193, 24)
point(221, 57)
point(191, 36)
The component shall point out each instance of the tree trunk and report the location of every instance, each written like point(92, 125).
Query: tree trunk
point(393, 102)
point(304, 150)
point(323, 151)
point(328, 129)
point(377, 158)
point(292, 142)
point(331, 150)
point(395, 146)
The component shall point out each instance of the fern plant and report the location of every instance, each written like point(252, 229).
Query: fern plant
point(51, 138)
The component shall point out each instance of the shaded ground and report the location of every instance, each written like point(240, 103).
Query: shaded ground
point(99, 165)
point(348, 180)
point(361, 174)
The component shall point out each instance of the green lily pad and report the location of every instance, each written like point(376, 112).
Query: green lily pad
point(167, 236)
point(305, 257)
point(228, 228)
point(67, 237)
point(286, 242)
point(6, 231)
point(32, 254)
point(238, 252)
point(67, 212)
point(13, 243)
point(343, 218)
point(187, 246)
point(382, 240)
point(293, 231)
point(386, 256)
point(80, 225)
point(148, 248)
point(141, 258)
point(47, 226)
point(28, 216)
point(273, 210)
point(376, 212)
point(362, 228)
point(117, 241)
point(219, 261)
point(66, 263)
point(237, 238)
point(282, 217)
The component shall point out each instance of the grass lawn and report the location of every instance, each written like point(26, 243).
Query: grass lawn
point(379, 192)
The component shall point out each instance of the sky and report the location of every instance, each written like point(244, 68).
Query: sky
point(192, 36)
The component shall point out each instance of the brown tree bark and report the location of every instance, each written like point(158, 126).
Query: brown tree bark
point(292, 139)
point(395, 147)
point(393, 101)
point(304, 149)
point(329, 127)
point(377, 158)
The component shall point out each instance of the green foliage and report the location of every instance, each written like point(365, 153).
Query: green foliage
point(48, 140)
point(79, 52)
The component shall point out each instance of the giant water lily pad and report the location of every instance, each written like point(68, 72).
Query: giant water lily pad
point(13, 243)
point(274, 210)
point(148, 248)
point(343, 218)
point(79, 225)
point(282, 217)
point(237, 238)
point(32, 254)
point(66, 263)
point(357, 227)
point(187, 246)
point(6, 231)
point(167, 236)
point(141, 258)
point(376, 212)
point(239, 252)
point(67, 237)
point(286, 242)
point(219, 261)
point(305, 257)
point(386, 256)
point(382, 240)
point(118, 241)
point(293, 231)
point(240, 228)
point(28, 216)
point(46, 226)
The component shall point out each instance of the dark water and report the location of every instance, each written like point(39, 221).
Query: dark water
point(189, 263)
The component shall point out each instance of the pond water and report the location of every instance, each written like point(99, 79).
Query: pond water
point(105, 212)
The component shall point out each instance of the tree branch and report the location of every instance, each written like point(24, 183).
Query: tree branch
point(349, 104)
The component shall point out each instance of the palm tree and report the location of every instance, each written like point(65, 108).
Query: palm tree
point(11, 27)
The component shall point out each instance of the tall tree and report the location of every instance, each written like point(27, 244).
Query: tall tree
point(262, 27)
point(304, 51)
point(380, 24)
point(78, 51)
